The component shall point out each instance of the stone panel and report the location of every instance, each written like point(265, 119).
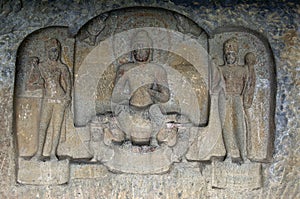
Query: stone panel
point(215, 136)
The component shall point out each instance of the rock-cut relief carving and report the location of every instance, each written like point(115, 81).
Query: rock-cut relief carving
point(90, 34)
point(122, 22)
point(35, 80)
point(43, 97)
point(139, 127)
point(240, 83)
point(134, 107)
point(145, 121)
point(236, 145)
point(239, 88)
point(56, 98)
point(187, 27)
point(140, 87)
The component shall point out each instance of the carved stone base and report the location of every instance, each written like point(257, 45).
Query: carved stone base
point(43, 173)
point(158, 161)
point(233, 176)
point(75, 145)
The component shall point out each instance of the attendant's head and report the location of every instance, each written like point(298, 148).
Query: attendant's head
point(53, 49)
point(231, 50)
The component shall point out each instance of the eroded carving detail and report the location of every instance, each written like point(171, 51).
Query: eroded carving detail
point(41, 108)
point(139, 126)
point(238, 93)
point(140, 87)
point(35, 80)
point(93, 30)
point(141, 123)
point(56, 98)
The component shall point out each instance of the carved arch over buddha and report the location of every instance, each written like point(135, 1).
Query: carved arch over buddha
point(170, 38)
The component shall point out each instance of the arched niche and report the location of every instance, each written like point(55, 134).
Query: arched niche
point(103, 44)
point(260, 115)
point(29, 85)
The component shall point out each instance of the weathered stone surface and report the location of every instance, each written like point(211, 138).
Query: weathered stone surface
point(43, 173)
point(251, 77)
point(233, 176)
point(277, 22)
point(88, 171)
point(27, 126)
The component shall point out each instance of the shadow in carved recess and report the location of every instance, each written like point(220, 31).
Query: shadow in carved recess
point(139, 97)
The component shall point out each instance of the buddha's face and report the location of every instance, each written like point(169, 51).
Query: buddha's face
point(141, 54)
point(230, 57)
